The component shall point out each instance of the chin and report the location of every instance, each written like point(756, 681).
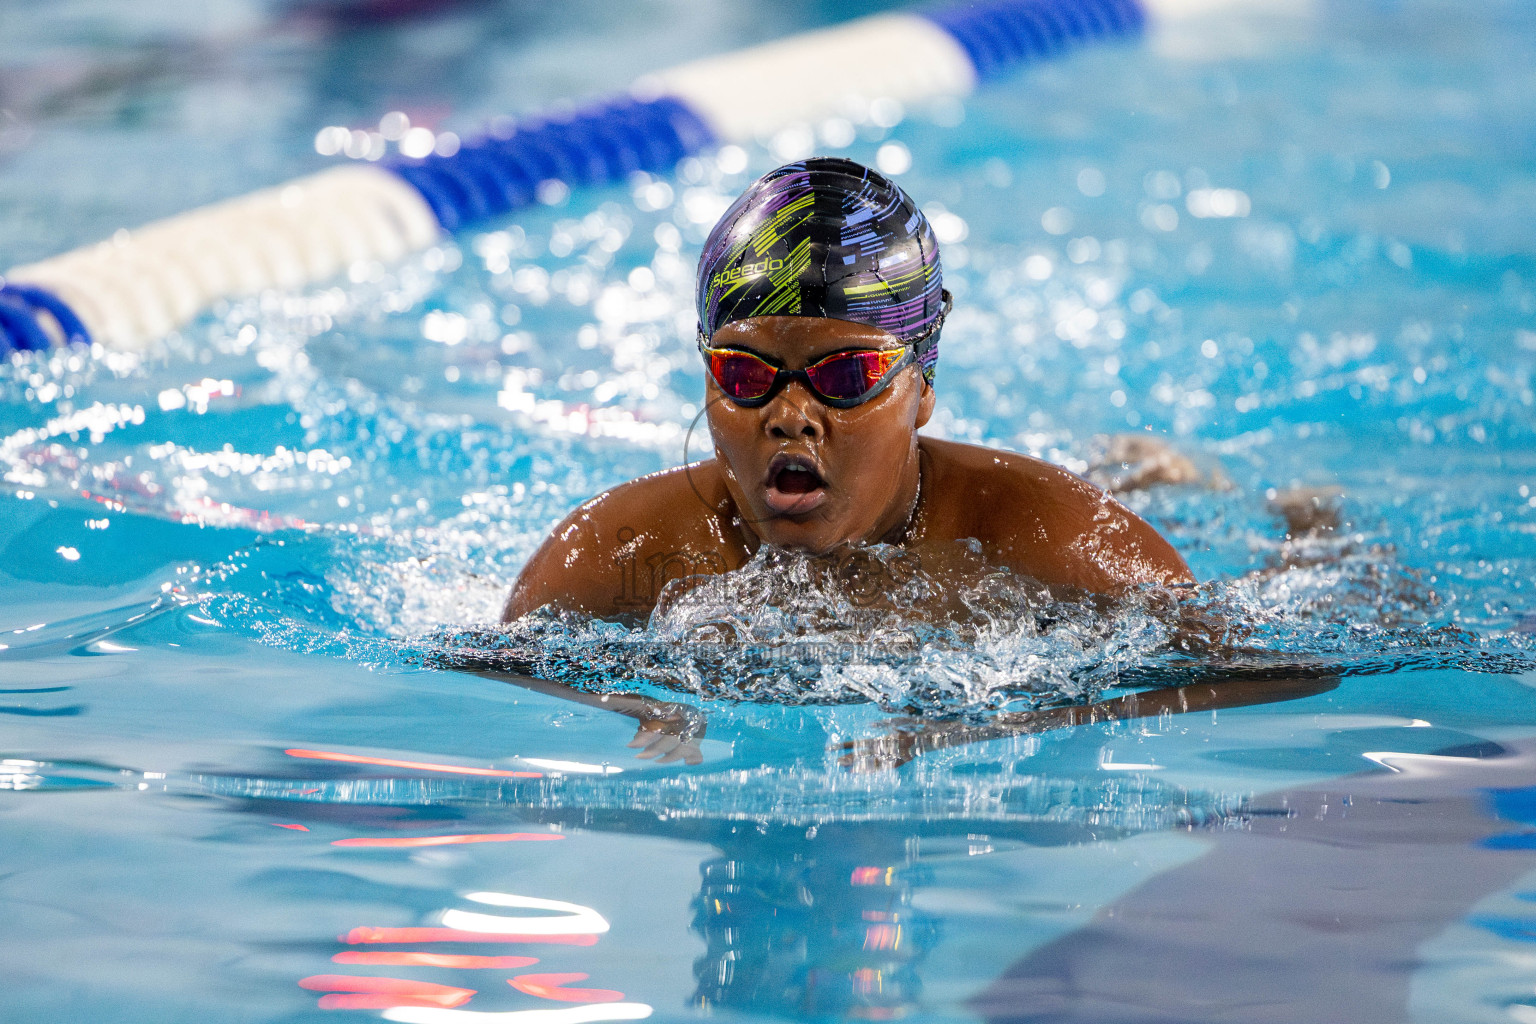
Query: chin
point(816, 536)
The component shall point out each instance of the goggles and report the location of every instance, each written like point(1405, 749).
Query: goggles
point(841, 380)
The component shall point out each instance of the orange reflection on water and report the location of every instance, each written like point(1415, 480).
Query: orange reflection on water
point(422, 766)
point(409, 841)
point(382, 993)
point(882, 936)
point(552, 986)
point(458, 960)
point(867, 980)
point(360, 935)
point(296, 828)
point(872, 876)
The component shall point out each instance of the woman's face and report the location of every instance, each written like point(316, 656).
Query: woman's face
point(806, 475)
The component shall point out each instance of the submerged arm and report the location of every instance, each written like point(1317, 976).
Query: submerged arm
point(918, 737)
point(668, 731)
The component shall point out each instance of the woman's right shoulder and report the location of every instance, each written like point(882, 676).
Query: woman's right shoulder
point(583, 561)
point(659, 503)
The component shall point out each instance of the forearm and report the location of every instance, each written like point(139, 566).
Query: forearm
point(633, 705)
point(1210, 696)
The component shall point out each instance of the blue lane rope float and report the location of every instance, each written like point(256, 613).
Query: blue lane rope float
point(140, 285)
point(1000, 35)
point(19, 322)
point(34, 318)
point(602, 143)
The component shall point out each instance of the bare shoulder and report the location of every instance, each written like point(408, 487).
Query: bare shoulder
point(1043, 520)
point(611, 554)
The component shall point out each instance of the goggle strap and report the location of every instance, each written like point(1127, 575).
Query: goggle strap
point(923, 343)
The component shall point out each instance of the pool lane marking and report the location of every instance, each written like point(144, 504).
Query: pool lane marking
point(422, 766)
point(553, 986)
point(383, 993)
point(202, 510)
point(587, 1014)
point(358, 936)
point(460, 961)
point(413, 841)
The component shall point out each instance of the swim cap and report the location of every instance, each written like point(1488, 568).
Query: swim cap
point(825, 237)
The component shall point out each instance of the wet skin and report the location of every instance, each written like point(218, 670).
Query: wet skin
point(797, 473)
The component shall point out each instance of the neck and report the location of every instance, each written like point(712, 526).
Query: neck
point(900, 520)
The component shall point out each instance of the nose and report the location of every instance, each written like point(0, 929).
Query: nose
point(794, 414)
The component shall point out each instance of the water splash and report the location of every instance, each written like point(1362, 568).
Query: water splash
point(873, 625)
point(969, 639)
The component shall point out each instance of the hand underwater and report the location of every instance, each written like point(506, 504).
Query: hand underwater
point(670, 732)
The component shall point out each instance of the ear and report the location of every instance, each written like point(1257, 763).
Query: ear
point(925, 404)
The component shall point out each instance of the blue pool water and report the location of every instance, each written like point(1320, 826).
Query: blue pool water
point(232, 569)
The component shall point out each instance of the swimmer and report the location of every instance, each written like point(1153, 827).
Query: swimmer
point(820, 303)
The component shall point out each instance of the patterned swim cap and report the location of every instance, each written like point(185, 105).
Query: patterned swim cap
point(831, 238)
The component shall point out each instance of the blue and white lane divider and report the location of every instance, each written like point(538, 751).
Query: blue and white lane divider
point(140, 285)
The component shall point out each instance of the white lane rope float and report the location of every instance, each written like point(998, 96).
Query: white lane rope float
point(140, 285)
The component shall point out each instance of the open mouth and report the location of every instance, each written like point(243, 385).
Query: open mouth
point(794, 485)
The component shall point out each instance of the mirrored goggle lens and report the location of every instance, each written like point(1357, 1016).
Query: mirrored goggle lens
point(852, 374)
point(740, 375)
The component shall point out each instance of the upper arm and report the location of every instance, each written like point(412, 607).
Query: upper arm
point(612, 556)
point(574, 569)
point(1125, 548)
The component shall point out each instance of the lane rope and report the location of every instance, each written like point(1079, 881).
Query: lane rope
point(140, 285)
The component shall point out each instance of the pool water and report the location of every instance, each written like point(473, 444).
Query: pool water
point(245, 782)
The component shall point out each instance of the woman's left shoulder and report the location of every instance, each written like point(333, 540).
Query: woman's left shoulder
point(1044, 519)
point(1005, 475)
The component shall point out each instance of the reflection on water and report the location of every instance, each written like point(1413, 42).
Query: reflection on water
point(797, 923)
point(827, 922)
point(429, 1002)
point(811, 930)
point(803, 908)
